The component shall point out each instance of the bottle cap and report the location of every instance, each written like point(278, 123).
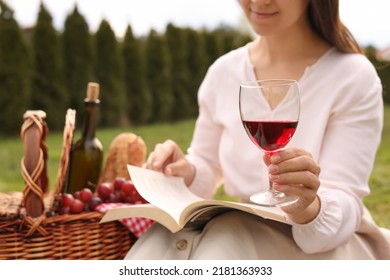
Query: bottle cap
point(93, 91)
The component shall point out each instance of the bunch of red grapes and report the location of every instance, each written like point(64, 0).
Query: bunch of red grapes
point(121, 190)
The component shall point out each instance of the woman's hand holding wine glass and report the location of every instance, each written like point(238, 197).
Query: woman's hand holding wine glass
point(294, 172)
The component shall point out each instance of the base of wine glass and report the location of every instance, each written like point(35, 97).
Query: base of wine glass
point(273, 199)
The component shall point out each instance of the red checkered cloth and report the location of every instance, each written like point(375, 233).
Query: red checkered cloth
point(137, 226)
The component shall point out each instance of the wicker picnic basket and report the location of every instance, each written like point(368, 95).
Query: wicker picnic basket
point(30, 226)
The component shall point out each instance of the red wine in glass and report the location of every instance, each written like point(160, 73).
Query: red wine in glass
point(270, 135)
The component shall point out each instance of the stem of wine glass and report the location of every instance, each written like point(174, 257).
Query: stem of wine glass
point(276, 193)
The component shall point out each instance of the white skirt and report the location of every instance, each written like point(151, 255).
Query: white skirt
point(237, 235)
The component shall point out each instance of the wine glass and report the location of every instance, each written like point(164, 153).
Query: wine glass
point(269, 111)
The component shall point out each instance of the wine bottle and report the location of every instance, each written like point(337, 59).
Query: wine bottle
point(86, 155)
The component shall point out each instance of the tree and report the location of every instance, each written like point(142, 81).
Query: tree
point(197, 63)
point(139, 98)
point(47, 87)
point(180, 77)
point(14, 73)
point(78, 60)
point(213, 46)
point(109, 73)
point(158, 76)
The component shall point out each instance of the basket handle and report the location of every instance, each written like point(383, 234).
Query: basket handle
point(34, 171)
point(70, 124)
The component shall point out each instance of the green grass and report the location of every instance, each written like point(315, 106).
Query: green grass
point(11, 149)
point(11, 152)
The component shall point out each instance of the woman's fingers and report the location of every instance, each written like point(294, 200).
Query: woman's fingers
point(163, 154)
point(300, 163)
point(168, 158)
point(181, 168)
point(293, 160)
point(299, 177)
point(293, 171)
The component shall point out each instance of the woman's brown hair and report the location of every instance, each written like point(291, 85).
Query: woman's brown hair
point(325, 20)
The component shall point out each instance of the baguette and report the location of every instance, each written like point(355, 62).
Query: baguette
point(126, 148)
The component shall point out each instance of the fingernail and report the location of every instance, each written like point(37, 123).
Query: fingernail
point(273, 177)
point(275, 158)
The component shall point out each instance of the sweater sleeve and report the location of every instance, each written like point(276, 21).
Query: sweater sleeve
point(203, 152)
point(337, 220)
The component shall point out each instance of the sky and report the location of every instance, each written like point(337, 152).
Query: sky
point(369, 21)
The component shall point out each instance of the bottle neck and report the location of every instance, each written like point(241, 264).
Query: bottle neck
point(90, 118)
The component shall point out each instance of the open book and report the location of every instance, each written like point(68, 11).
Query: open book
point(174, 206)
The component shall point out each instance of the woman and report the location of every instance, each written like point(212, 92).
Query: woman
point(327, 164)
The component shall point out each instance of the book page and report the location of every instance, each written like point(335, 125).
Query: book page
point(142, 210)
point(165, 192)
point(219, 206)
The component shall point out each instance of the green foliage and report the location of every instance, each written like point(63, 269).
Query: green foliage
point(196, 61)
point(109, 73)
point(14, 73)
point(213, 46)
point(47, 87)
point(139, 98)
point(180, 75)
point(158, 67)
point(78, 59)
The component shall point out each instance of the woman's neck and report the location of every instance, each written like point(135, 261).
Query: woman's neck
point(286, 55)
